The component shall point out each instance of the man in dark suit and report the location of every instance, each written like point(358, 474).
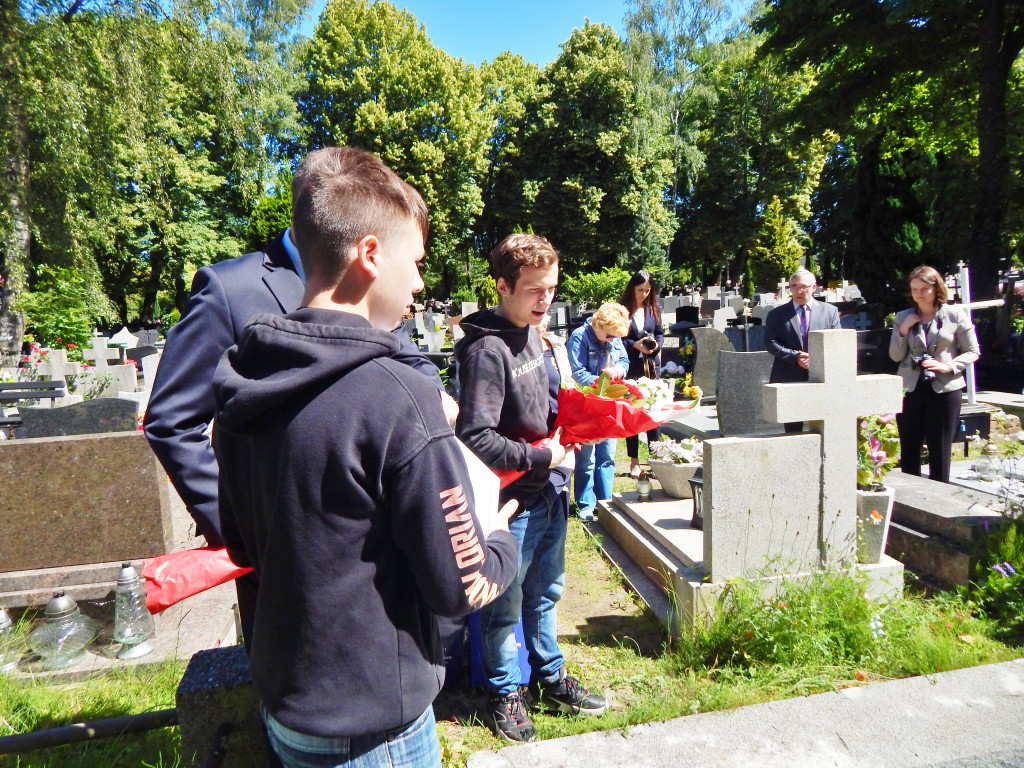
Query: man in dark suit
point(786, 329)
point(225, 296)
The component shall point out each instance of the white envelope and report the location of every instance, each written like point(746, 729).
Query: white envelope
point(484, 487)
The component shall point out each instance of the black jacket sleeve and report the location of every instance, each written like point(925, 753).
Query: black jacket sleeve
point(456, 569)
point(181, 405)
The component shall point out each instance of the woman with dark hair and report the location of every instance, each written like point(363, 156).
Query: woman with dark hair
point(933, 343)
point(642, 343)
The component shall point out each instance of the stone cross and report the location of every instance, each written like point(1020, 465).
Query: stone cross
point(101, 353)
point(832, 401)
point(57, 366)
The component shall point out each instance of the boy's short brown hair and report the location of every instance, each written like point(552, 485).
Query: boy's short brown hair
point(517, 251)
point(341, 194)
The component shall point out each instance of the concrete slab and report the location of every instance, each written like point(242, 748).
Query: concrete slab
point(970, 718)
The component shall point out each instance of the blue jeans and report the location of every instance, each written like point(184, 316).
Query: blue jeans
point(595, 473)
point(540, 530)
point(413, 745)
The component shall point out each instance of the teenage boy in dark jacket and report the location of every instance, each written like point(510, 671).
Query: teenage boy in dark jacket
point(502, 409)
point(342, 484)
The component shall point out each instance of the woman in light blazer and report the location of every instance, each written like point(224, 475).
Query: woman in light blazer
point(933, 343)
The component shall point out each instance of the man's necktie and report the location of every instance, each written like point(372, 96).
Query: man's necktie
point(804, 312)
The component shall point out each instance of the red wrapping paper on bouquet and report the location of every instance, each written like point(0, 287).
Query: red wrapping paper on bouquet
point(509, 476)
point(172, 577)
point(585, 418)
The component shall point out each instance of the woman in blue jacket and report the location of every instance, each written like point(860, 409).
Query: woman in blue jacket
point(594, 347)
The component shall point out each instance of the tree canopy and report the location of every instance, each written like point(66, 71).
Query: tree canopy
point(144, 139)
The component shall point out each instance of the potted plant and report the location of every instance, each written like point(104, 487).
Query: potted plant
point(673, 462)
point(878, 447)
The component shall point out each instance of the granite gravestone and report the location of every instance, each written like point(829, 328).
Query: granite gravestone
point(832, 400)
point(722, 317)
point(741, 375)
point(707, 342)
point(106, 500)
point(760, 511)
point(709, 306)
point(96, 416)
point(746, 337)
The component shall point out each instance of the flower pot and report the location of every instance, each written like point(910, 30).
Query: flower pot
point(874, 512)
point(674, 478)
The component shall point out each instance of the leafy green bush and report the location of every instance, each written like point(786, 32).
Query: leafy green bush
point(272, 214)
point(64, 307)
point(592, 289)
point(997, 590)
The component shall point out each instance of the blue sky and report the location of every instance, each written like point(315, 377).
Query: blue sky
point(481, 29)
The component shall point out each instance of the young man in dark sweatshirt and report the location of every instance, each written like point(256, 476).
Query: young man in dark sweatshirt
point(502, 409)
point(342, 484)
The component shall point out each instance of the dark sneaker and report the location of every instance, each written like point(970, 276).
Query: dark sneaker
point(509, 718)
point(567, 696)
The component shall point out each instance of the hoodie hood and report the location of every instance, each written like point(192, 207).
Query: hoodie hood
point(487, 322)
point(280, 360)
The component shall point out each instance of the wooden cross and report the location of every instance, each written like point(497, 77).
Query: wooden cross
point(832, 401)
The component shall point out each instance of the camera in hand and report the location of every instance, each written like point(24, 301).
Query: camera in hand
point(915, 362)
point(648, 342)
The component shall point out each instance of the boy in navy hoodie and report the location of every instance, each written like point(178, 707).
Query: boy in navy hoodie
point(342, 484)
point(502, 409)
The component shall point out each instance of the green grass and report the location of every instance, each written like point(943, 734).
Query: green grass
point(810, 637)
point(36, 705)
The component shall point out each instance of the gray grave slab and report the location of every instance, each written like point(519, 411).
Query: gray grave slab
point(707, 342)
point(668, 317)
point(141, 351)
point(760, 312)
point(150, 364)
point(434, 340)
point(740, 402)
point(469, 307)
point(722, 317)
point(421, 323)
point(736, 302)
point(107, 500)
point(123, 378)
point(760, 509)
point(832, 400)
point(90, 417)
point(713, 292)
point(746, 337)
point(672, 303)
point(708, 307)
point(148, 337)
point(873, 352)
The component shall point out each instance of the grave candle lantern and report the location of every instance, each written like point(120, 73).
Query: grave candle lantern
point(9, 650)
point(643, 487)
point(133, 623)
point(988, 465)
point(64, 635)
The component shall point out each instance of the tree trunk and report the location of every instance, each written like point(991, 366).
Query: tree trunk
point(15, 237)
point(999, 43)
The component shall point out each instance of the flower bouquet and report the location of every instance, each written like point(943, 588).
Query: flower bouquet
point(878, 449)
point(615, 408)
